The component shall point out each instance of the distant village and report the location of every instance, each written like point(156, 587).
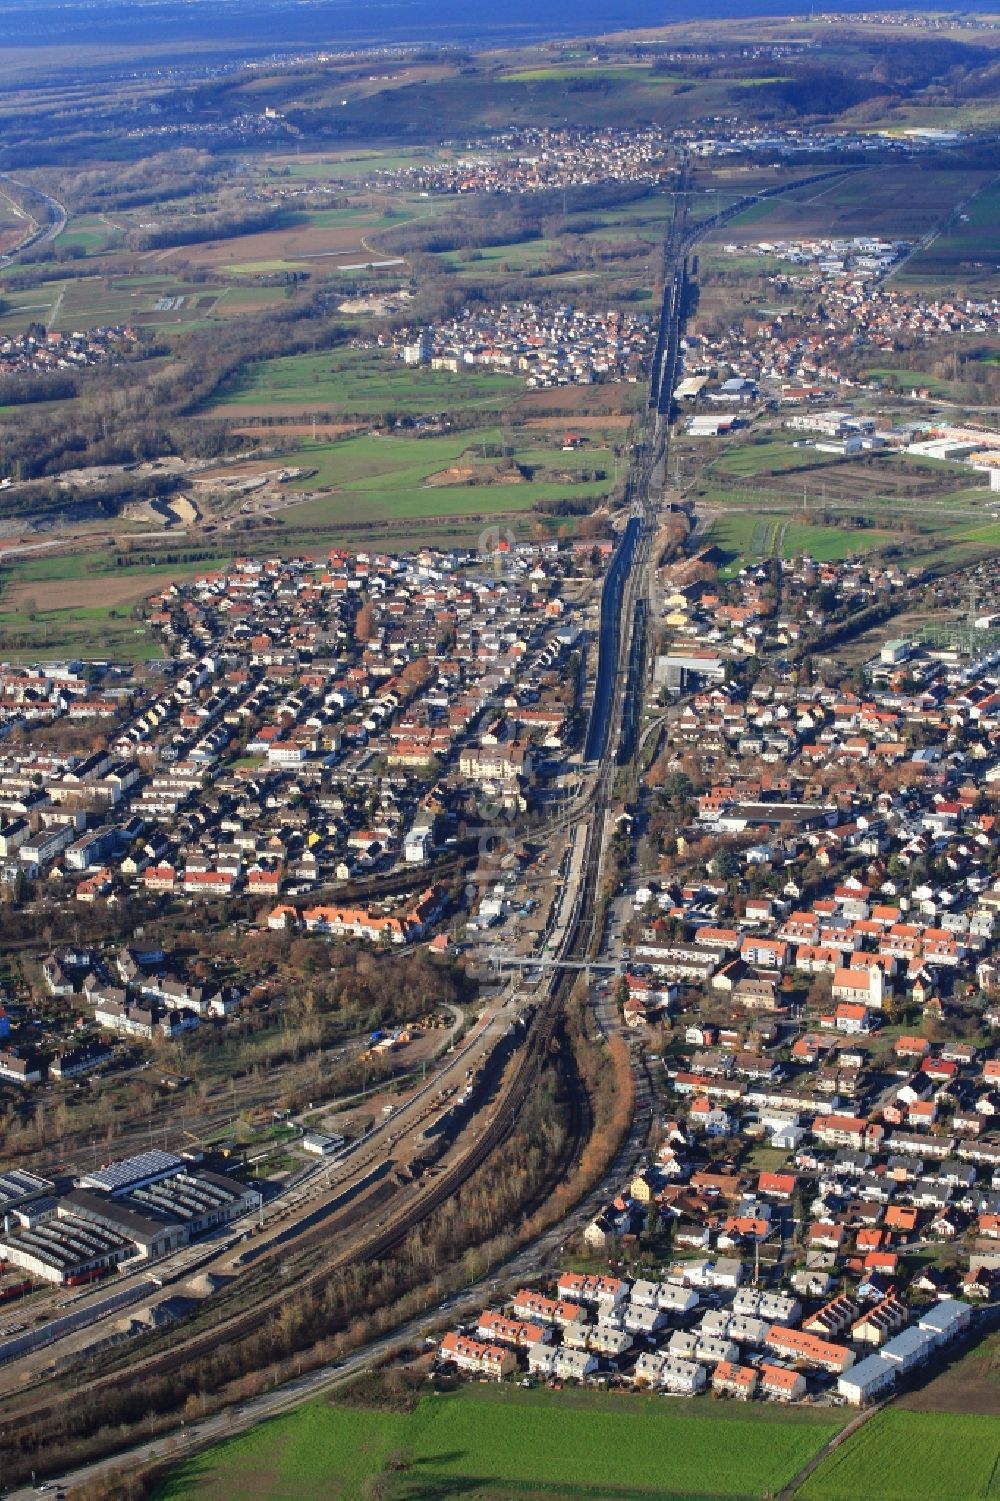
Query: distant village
point(531, 160)
point(41, 353)
point(546, 345)
point(809, 351)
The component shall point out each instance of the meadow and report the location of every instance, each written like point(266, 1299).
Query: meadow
point(499, 1441)
point(378, 478)
point(913, 1456)
point(770, 456)
point(964, 254)
point(749, 537)
point(93, 632)
point(904, 200)
point(352, 382)
point(772, 499)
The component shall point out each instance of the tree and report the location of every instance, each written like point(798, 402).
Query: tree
point(363, 625)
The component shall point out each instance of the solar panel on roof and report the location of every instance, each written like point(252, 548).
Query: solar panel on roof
point(118, 1177)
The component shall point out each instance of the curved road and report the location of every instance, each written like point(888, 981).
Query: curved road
point(42, 234)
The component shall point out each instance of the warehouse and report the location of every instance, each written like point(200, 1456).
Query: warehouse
point(66, 1250)
point(152, 1233)
point(19, 1187)
point(163, 1213)
point(133, 1172)
point(200, 1201)
point(145, 1207)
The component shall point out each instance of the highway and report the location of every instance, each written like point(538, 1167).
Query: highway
point(40, 234)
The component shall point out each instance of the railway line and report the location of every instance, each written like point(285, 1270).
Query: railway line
point(612, 733)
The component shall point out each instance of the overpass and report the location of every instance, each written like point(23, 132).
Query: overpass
point(501, 962)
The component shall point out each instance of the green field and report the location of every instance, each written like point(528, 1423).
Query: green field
point(381, 478)
point(348, 166)
point(962, 544)
point(569, 71)
point(913, 1456)
point(747, 537)
point(501, 1442)
point(94, 633)
point(349, 381)
point(57, 567)
point(908, 380)
point(965, 254)
point(770, 456)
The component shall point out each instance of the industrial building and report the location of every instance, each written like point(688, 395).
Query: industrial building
point(19, 1187)
point(142, 1208)
point(66, 1249)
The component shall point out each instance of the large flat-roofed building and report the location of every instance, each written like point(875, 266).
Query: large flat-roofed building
point(676, 667)
point(168, 1212)
point(19, 1187)
point(201, 1201)
point(133, 1172)
point(153, 1233)
point(144, 1207)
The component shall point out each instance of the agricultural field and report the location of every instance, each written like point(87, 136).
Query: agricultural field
point(965, 254)
point(79, 603)
point(175, 289)
point(564, 72)
point(768, 498)
point(494, 1442)
point(747, 537)
point(352, 382)
point(970, 1384)
point(48, 579)
point(164, 303)
point(913, 1456)
point(91, 233)
point(901, 200)
point(379, 478)
point(343, 166)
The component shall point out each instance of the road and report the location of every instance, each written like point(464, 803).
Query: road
point(42, 234)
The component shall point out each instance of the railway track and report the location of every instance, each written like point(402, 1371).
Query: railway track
point(582, 934)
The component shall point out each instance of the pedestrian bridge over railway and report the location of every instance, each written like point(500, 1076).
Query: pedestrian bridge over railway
point(500, 961)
